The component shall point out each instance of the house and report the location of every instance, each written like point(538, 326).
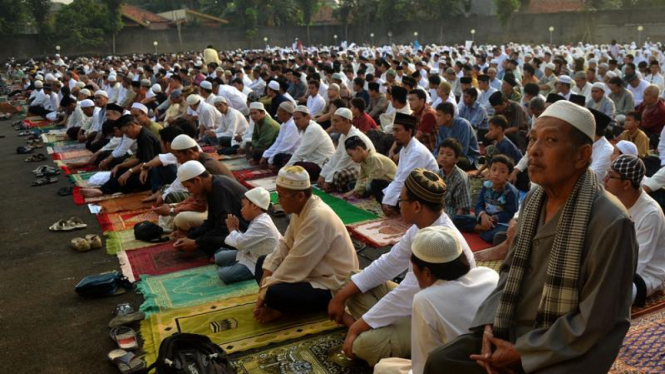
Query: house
point(133, 16)
point(187, 15)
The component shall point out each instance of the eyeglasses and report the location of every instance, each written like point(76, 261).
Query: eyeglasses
point(280, 196)
point(610, 176)
point(400, 200)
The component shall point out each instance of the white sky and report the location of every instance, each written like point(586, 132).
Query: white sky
point(62, 1)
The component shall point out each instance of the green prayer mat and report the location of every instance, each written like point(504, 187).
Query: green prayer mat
point(81, 179)
point(494, 265)
point(311, 355)
point(348, 213)
point(229, 323)
point(124, 240)
point(187, 288)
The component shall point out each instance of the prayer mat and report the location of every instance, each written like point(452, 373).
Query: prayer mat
point(475, 242)
point(380, 233)
point(81, 179)
point(228, 157)
point(230, 324)
point(311, 355)
point(125, 220)
point(267, 183)
point(188, 287)
point(249, 174)
point(158, 260)
point(128, 202)
point(209, 149)
point(494, 265)
point(76, 146)
point(69, 161)
point(653, 303)
point(71, 154)
point(53, 137)
point(348, 213)
point(237, 164)
point(123, 240)
point(37, 122)
point(369, 204)
point(643, 349)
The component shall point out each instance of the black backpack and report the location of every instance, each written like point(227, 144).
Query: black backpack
point(183, 353)
point(149, 232)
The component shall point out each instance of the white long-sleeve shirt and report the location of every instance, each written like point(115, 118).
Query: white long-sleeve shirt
point(315, 146)
point(316, 105)
point(340, 159)
point(75, 118)
point(600, 156)
point(236, 99)
point(232, 123)
point(413, 155)
point(260, 238)
point(176, 185)
point(656, 181)
point(208, 115)
point(650, 230)
point(397, 303)
point(287, 141)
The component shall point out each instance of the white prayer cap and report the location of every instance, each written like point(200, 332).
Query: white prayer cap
point(434, 71)
point(85, 92)
point(80, 84)
point(494, 61)
point(182, 142)
point(101, 93)
point(293, 178)
point(334, 87)
point(156, 88)
point(436, 245)
point(577, 116)
point(39, 77)
point(550, 66)
point(565, 79)
point(219, 68)
point(219, 99)
point(345, 113)
point(50, 77)
point(111, 78)
point(140, 107)
point(288, 107)
point(39, 84)
point(190, 169)
point(610, 74)
point(627, 148)
point(259, 196)
point(273, 85)
point(302, 109)
point(257, 105)
point(593, 61)
point(87, 103)
point(206, 85)
point(599, 86)
point(193, 99)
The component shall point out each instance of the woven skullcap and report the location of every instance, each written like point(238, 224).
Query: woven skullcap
point(334, 87)
point(630, 167)
point(345, 113)
point(436, 245)
point(140, 107)
point(426, 185)
point(102, 93)
point(182, 142)
point(85, 92)
point(193, 99)
point(565, 79)
point(190, 169)
point(175, 94)
point(257, 105)
point(80, 84)
point(219, 99)
point(288, 107)
point(302, 109)
point(293, 178)
point(87, 103)
point(598, 86)
point(338, 76)
point(627, 148)
point(580, 75)
point(550, 66)
point(273, 85)
point(259, 196)
point(39, 84)
point(573, 114)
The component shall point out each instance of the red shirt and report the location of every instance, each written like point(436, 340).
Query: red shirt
point(427, 126)
point(653, 117)
point(364, 123)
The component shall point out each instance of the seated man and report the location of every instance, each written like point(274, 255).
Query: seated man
point(232, 123)
point(340, 171)
point(313, 258)
point(379, 311)
point(315, 147)
point(287, 141)
point(125, 177)
point(443, 274)
point(265, 132)
point(567, 222)
point(460, 129)
point(376, 170)
point(223, 196)
point(623, 180)
point(412, 155)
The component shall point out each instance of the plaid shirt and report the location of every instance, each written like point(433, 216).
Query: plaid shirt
point(458, 195)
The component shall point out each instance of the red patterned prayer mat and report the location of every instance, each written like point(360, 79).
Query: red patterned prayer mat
point(379, 233)
point(475, 242)
point(162, 259)
point(254, 173)
point(125, 220)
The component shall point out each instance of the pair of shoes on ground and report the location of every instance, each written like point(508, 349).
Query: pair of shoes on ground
point(36, 158)
point(88, 243)
point(126, 338)
point(73, 223)
point(47, 175)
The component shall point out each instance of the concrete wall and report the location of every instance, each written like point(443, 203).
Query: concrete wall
point(596, 27)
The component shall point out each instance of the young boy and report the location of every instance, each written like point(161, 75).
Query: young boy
point(458, 196)
point(376, 170)
point(497, 202)
point(260, 238)
point(500, 143)
point(632, 133)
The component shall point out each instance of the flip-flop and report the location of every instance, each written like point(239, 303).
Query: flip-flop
point(44, 181)
point(62, 225)
point(48, 172)
point(36, 158)
point(76, 223)
point(80, 244)
point(94, 240)
point(127, 362)
point(22, 150)
point(125, 337)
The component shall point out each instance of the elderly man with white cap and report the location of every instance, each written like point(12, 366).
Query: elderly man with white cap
point(340, 171)
point(287, 140)
point(443, 274)
point(573, 243)
point(311, 261)
point(315, 148)
point(265, 132)
point(599, 101)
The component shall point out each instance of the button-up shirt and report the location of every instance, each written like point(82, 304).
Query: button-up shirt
point(475, 114)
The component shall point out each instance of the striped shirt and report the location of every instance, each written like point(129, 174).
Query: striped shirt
point(458, 194)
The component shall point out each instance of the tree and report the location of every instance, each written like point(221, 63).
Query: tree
point(81, 23)
point(39, 10)
point(308, 9)
point(13, 17)
point(505, 9)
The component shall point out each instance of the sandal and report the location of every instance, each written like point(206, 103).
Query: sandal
point(127, 362)
point(125, 337)
point(22, 150)
point(62, 225)
point(94, 240)
point(80, 244)
point(36, 158)
point(44, 181)
point(46, 171)
point(126, 319)
point(76, 223)
point(66, 191)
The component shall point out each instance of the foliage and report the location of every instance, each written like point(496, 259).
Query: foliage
point(82, 23)
point(13, 17)
point(505, 9)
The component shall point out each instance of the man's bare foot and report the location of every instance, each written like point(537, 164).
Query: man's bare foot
point(266, 314)
point(150, 198)
point(491, 254)
point(91, 192)
point(348, 320)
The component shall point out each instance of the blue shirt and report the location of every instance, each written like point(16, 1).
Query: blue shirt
point(462, 131)
point(508, 148)
point(502, 204)
point(475, 114)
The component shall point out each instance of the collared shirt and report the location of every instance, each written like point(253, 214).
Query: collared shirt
point(287, 141)
point(208, 115)
point(516, 116)
point(638, 92)
point(484, 100)
point(315, 146)
point(461, 130)
point(265, 133)
point(605, 105)
point(656, 79)
point(411, 156)
point(650, 229)
point(601, 152)
point(232, 122)
point(458, 196)
point(375, 167)
point(397, 303)
point(260, 238)
point(341, 160)
point(236, 99)
point(475, 114)
point(584, 91)
point(623, 102)
point(640, 139)
point(315, 104)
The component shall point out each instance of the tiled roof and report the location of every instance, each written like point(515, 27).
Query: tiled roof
point(140, 16)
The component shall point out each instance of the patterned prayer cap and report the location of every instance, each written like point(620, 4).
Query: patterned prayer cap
point(630, 167)
point(436, 245)
point(293, 178)
point(426, 185)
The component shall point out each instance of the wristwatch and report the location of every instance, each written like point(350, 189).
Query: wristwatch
point(131, 171)
point(143, 167)
point(172, 210)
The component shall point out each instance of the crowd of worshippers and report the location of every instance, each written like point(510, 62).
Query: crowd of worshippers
point(566, 142)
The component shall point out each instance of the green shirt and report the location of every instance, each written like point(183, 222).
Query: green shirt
point(265, 133)
point(375, 166)
point(154, 128)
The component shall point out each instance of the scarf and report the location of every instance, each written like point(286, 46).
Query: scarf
point(560, 293)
